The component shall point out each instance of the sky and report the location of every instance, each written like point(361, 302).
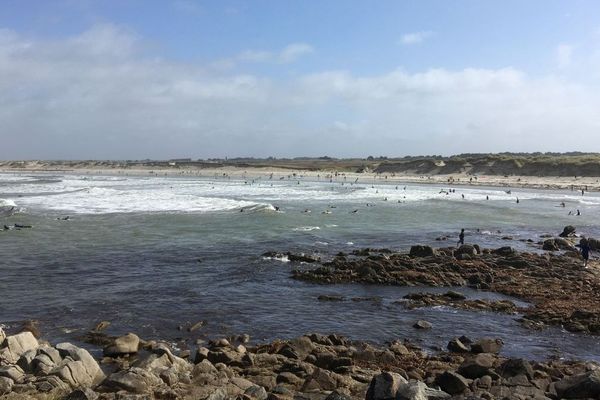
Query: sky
point(161, 79)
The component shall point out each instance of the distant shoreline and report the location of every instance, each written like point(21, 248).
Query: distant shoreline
point(590, 184)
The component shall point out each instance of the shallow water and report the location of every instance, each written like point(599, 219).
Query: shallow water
point(152, 253)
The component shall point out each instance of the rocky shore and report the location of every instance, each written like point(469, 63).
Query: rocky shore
point(559, 289)
point(311, 367)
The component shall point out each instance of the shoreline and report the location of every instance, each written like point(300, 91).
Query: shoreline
point(588, 184)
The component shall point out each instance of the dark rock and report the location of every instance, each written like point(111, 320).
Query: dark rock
point(455, 295)
point(585, 385)
point(384, 386)
point(82, 394)
point(477, 367)
point(466, 249)
point(487, 346)
point(568, 230)
point(550, 245)
point(457, 346)
point(420, 324)
point(514, 367)
point(451, 382)
point(504, 251)
point(422, 251)
point(335, 395)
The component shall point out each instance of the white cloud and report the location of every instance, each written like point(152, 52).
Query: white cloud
point(564, 55)
point(415, 37)
point(85, 98)
point(294, 51)
point(288, 54)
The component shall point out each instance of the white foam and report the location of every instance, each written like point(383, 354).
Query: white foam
point(306, 228)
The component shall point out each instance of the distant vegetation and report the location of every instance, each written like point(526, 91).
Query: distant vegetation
point(528, 164)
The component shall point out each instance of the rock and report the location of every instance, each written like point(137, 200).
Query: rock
point(585, 385)
point(83, 370)
point(421, 251)
point(457, 346)
point(487, 345)
point(82, 394)
point(18, 344)
point(451, 382)
point(123, 345)
point(514, 367)
point(2, 336)
point(335, 395)
point(384, 386)
point(31, 326)
point(568, 230)
point(504, 251)
point(420, 324)
point(550, 245)
point(419, 391)
point(14, 372)
point(466, 249)
point(455, 295)
point(256, 392)
point(477, 367)
point(135, 380)
point(6, 385)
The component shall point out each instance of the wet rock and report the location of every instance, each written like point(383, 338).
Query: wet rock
point(451, 382)
point(335, 395)
point(421, 251)
point(455, 295)
point(487, 345)
point(568, 230)
point(550, 245)
point(420, 324)
point(6, 385)
point(385, 386)
point(457, 346)
point(123, 345)
point(504, 251)
point(580, 386)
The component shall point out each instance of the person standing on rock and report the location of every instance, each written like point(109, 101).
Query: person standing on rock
point(584, 247)
point(461, 237)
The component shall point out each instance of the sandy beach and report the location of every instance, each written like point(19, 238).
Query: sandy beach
point(463, 179)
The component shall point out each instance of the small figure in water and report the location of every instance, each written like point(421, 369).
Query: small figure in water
point(463, 196)
point(578, 212)
point(461, 237)
point(584, 247)
point(562, 204)
point(487, 197)
point(517, 200)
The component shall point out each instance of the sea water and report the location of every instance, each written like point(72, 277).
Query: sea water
point(156, 254)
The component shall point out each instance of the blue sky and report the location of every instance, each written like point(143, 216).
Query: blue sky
point(182, 78)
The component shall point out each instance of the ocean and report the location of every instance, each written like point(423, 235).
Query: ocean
point(156, 254)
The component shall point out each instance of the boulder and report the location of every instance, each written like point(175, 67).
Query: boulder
point(487, 345)
point(16, 345)
point(385, 386)
point(457, 346)
point(568, 230)
point(420, 324)
point(451, 382)
point(416, 390)
point(504, 251)
point(466, 249)
point(256, 392)
point(422, 251)
point(550, 245)
point(81, 370)
point(2, 336)
point(14, 372)
point(134, 380)
point(515, 367)
point(123, 345)
point(580, 386)
point(477, 366)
